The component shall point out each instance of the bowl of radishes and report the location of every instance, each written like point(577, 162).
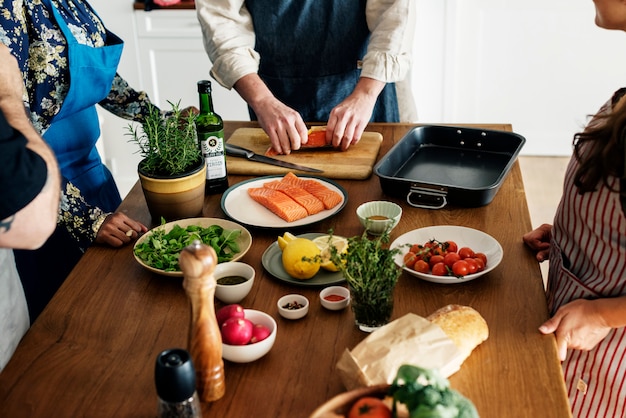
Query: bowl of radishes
point(247, 334)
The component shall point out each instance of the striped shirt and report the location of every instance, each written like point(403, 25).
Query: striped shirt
point(588, 260)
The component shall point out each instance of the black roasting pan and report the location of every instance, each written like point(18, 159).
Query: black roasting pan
point(434, 166)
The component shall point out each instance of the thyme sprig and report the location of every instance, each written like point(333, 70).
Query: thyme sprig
point(368, 264)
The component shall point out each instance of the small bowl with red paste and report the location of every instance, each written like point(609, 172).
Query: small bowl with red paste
point(335, 298)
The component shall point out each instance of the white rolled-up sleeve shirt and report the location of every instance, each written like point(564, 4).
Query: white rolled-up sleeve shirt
point(229, 39)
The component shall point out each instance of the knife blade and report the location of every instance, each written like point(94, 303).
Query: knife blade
point(237, 151)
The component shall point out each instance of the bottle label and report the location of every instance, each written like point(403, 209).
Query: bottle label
point(213, 150)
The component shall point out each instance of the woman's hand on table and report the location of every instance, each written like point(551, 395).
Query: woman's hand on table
point(118, 229)
point(579, 325)
point(538, 240)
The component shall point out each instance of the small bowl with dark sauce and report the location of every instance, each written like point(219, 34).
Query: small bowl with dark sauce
point(234, 281)
point(379, 216)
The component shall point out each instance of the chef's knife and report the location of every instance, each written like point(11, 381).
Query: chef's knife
point(237, 151)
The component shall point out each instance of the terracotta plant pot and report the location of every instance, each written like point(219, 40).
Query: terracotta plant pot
point(176, 197)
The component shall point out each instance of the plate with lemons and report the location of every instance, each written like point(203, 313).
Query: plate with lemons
point(319, 271)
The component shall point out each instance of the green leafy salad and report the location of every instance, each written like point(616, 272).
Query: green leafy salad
point(161, 250)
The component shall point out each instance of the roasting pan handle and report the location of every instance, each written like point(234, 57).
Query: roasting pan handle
point(420, 197)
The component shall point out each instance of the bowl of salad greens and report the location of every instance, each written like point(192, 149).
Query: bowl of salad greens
point(158, 249)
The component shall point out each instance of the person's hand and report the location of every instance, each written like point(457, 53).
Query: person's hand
point(348, 119)
point(538, 240)
point(282, 124)
point(118, 229)
point(577, 325)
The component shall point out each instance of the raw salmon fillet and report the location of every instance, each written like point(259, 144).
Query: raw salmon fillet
point(329, 198)
point(279, 203)
point(317, 139)
point(311, 203)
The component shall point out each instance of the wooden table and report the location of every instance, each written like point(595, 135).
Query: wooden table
point(92, 351)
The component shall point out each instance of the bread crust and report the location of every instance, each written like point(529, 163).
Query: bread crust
point(463, 325)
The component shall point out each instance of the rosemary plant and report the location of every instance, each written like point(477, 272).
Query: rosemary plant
point(168, 145)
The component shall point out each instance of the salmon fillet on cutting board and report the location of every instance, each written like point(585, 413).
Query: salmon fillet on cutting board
point(329, 198)
point(279, 203)
point(311, 203)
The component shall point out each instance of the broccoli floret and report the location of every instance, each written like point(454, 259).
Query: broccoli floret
point(427, 394)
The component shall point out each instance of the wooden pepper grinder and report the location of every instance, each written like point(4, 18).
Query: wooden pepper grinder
point(198, 261)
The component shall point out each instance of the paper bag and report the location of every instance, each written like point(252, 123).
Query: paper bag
point(410, 339)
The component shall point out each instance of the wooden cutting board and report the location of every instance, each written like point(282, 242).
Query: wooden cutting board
point(355, 164)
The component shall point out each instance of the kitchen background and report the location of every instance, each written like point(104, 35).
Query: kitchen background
point(541, 66)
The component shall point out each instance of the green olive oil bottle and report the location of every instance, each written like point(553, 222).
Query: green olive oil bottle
point(210, 129)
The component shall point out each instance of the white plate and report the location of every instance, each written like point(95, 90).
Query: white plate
point(239, 206)
point(463, 236)
point(244, 240)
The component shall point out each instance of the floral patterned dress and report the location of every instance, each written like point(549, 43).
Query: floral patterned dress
point(30, 31)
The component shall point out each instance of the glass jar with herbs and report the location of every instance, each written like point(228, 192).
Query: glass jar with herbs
point(371, 274)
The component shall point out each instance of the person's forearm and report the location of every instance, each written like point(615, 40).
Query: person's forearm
point(612, 310)
point(369, 87)
point(253, 90)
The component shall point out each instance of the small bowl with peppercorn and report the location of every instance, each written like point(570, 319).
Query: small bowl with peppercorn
point(293, 306)
point(234, 281)
point(335, 298)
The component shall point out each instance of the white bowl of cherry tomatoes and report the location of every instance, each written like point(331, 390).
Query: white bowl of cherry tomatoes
point(447, 254)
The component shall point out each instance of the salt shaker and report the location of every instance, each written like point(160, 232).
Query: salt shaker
point(198, 261)
point(175, 380)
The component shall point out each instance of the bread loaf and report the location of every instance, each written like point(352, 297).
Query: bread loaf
point(464, 325)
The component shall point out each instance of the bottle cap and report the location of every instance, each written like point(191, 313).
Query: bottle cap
point(174, 375)
point(204, 86)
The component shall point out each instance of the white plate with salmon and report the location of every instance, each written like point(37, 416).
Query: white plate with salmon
point(283, 201)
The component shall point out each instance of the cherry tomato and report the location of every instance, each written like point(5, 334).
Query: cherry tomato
point(369, 407)
point(482, 256)
point(460, 268)
point(421, 266)
point(451, 258)
point(450, 246)
point(416, 248)
point(466, 252)
point(434, 259)
point(480, 263)
point(409, 259)
point(439, 269)
point(437, 249)
point(472, 266)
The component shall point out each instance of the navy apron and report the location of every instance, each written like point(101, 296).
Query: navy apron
point(72, 135)
point(311, 52)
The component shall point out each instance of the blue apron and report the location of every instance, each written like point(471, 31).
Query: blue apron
point(72, 135)
point(74, 131)
point(310, 53)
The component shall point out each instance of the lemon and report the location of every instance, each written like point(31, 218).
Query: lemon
point(324, 243)
point(293, 255)
point(282, 241)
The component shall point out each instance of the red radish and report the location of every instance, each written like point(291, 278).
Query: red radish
point(229, 311)
point(259, 333)
point(236, 331)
